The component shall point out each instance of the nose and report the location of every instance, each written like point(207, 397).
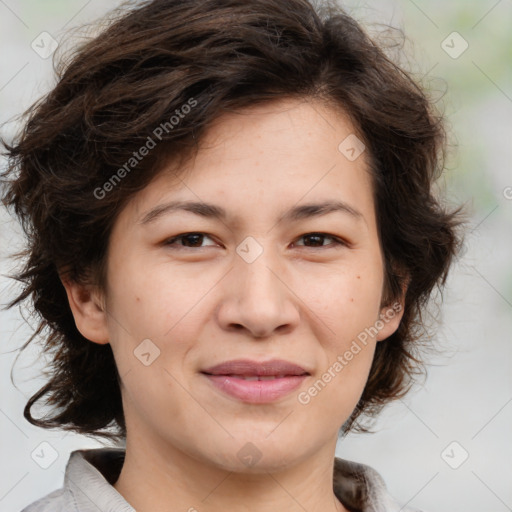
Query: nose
point(257, 299)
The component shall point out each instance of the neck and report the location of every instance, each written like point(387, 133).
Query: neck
point(168, 480)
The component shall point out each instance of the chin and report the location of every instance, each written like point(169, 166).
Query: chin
point(253, 454)
point(253, 463)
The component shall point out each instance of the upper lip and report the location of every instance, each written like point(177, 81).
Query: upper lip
point(247, 367)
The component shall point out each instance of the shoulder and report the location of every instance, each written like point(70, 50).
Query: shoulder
point(362, 487)
point(87, 484)
point(57, 501)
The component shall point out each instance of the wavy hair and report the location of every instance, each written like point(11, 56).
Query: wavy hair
point(149, 61)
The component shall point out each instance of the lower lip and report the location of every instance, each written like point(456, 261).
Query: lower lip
point(256, 391)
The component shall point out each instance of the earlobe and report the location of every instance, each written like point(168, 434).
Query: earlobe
point(88, 311)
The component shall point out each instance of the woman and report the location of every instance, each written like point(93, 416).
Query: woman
point(231, 236)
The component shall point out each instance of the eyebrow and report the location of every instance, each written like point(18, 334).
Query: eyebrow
point(217, 212)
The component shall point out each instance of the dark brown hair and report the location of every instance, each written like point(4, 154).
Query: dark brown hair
point(213, 55)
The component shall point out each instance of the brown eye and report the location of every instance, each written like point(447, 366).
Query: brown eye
point(191, 240)
point(313, 240)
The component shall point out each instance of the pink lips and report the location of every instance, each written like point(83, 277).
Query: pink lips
point(256, 382)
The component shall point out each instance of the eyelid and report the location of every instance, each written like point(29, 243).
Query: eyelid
point(170, 241)
point(337, 241)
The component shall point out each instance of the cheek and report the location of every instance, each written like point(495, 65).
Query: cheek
point(347, 301)
point(349, 307)
point(336, 390)
point(154, 392)
point(152, 301)
point(152, 314)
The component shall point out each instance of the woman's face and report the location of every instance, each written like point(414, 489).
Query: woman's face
point(265, 275)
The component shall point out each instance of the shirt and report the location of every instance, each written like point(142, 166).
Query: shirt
point(90, 475)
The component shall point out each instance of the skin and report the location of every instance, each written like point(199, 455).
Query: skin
point(201, 304)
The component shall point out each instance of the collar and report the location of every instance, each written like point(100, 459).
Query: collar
point(90, 475)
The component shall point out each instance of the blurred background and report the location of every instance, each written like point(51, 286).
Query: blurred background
point(447, 445)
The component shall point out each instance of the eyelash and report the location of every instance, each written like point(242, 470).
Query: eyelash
point(337, 241)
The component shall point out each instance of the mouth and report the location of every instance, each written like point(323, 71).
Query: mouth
point(275, 368)
point(252, 377)
point(256, 382)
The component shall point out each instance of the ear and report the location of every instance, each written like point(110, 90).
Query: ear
point(88, 309)
point(389, 319)
point(391, 315)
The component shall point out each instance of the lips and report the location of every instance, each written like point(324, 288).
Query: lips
point(255, 382)
point(276, 368)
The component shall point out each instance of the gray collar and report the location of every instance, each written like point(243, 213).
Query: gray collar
point(90, 475)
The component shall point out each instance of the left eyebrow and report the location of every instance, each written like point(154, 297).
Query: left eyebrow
point(318, 209)
point(217, 212)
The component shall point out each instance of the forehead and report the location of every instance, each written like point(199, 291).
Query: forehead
point(267, 156)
